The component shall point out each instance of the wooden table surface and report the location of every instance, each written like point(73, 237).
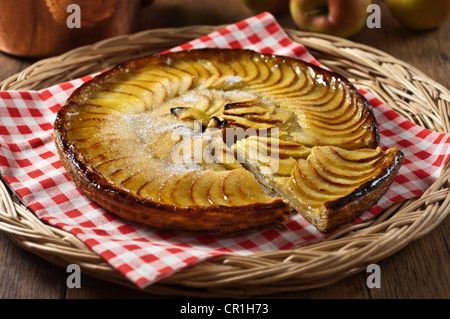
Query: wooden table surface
point(420, 270)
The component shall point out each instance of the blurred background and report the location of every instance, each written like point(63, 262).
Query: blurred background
point(34, 29)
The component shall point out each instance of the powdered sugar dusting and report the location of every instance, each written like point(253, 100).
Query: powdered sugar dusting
point(231, 80)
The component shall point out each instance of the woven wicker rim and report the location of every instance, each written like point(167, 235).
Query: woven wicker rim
point(406, 89)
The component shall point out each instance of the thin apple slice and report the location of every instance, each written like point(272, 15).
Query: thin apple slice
point(319, 184)
point(182, 190)
point(75, 123)
point(303, 85)
point(279, 148)
point(195, 99)
point(187, 66)
point(338, 104)
point(172, 82)
point(200, 188)
point(241, 188)
point(272, 80)
point(100, 157)
point(156, 83)
point(239, 70)
point(163, 143)
point(254, 66)
point(333, 174)
point(151, 187)
point(345, 112)
point(143, 94)
point(243, 122)
point(295, 84)
point(214, 73)
point(228, 76)
point(134, 182)
point(124, 103)
point(109, 167)
point(284, 81)
point(322, 88)
point(215, 191)
point(123, 173)
point(315, 194)
point(217, 152)
point(301, 201)
point(360, 160)
point(281, 166)
point(158, 90)
point(185, 78)
point(191, 114)
point(166, 190)
point(231, 188)
point(206, 78)
point(251, 70)
point(88, 114)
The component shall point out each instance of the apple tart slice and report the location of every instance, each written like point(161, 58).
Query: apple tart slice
point(328, 185)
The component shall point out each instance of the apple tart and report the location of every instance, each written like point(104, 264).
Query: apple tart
point(222, 141)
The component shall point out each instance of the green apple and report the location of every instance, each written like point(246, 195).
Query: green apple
point(420, 14)
point(276, 7)
point(343, 18)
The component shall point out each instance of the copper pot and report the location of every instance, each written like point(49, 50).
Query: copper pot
point(42, 28)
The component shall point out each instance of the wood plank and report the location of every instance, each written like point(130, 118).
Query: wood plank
point(418, 271)
point(93, 288)
point(27, 276)
point(353, 287)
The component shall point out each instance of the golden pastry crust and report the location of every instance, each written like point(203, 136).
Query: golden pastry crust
point(120, 136)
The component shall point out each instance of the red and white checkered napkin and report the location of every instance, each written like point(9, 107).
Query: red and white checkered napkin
point(31, 167)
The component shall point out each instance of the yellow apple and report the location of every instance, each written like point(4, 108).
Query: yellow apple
point(420, 14)
point(276, 7)
point(343, 18)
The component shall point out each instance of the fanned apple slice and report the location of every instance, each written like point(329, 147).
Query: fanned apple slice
point(156, 83)
point(140, 92)
point(200, 188)
point(209, 73)
point(240, 187)
point(275, 76)
point(135, 182)
point(166, 190)
point(162, 144)
point(177, 75)
point(109, 167)
point(294, 85)
point(215, 191)
point(260, 146)
point(254, 66)
point(158, 91)
point(267, 157)
point(151, 187)
point(123, 173)
point(279, 148)
point(182, 190)
point(285, 78)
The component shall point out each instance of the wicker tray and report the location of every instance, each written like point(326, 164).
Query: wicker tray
point(404, 88)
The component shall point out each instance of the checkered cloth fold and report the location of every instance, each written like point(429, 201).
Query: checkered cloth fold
point(30, 165)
